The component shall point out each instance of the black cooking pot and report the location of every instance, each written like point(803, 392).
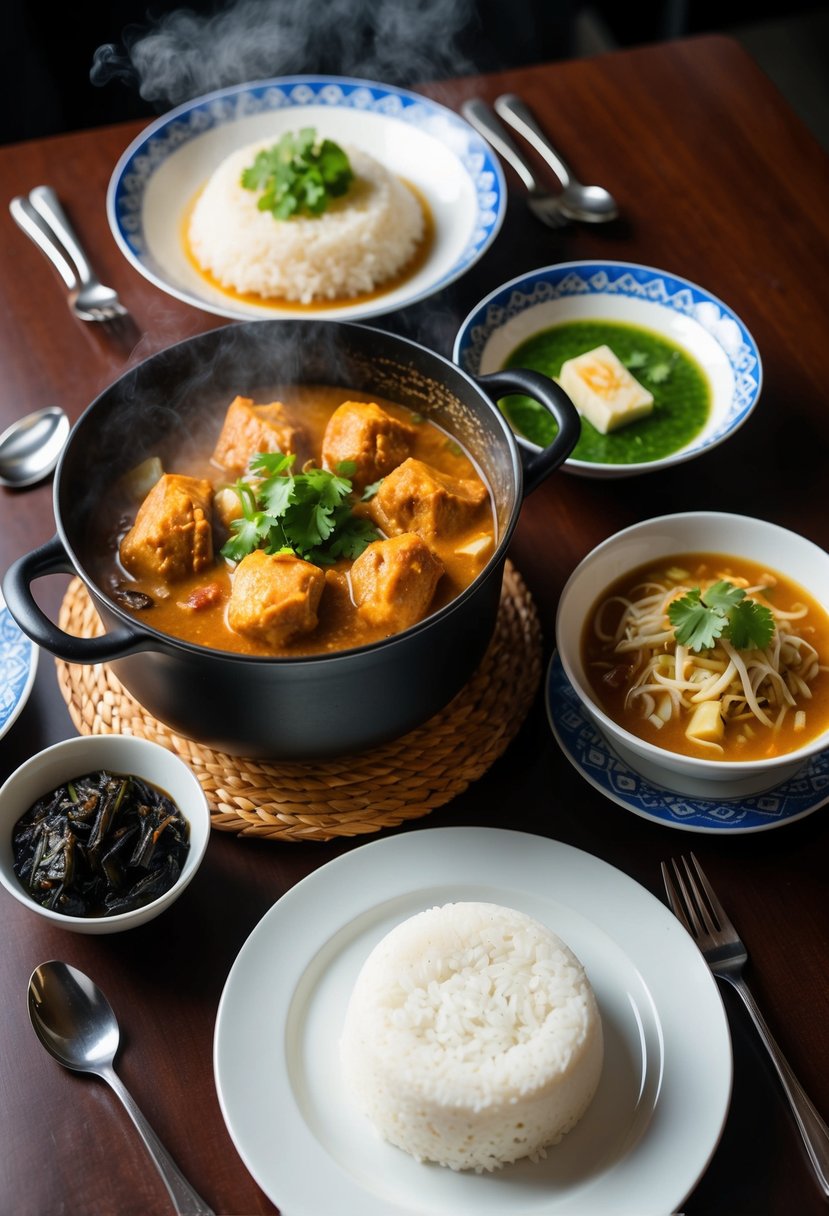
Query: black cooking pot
point(283, 708)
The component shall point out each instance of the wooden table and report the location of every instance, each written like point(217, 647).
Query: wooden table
point(718, 182)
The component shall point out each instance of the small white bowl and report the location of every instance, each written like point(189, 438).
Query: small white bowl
point(623, 292)
point(782, 551)
point(117, 754)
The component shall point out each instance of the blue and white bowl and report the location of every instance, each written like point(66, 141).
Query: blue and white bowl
point(159, 175)
point(623, 292)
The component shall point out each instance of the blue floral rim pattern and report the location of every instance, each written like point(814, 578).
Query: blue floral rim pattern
point(18, 660)
point(622, 279)
point(192, 119)
point(589, 752)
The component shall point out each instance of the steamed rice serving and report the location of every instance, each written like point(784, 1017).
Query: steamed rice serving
point(362, 240)
point(472, 1037)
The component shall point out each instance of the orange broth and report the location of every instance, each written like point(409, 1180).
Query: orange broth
point(762, 742)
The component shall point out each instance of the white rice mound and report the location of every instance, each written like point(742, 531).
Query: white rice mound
point(472, 1037)
point(363, 238)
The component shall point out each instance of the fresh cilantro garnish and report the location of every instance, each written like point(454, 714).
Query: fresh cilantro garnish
point(370, 491)
point(299, 175)
point(309, 514)
point(723, 611)
point(751, 626)
point(658, 373)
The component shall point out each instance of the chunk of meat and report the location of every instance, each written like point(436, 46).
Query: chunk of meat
point(201, 598)
point(362, 432)
point(172, 536)
point(417, 498)
point(274, 597)
point(249, 428)
point(394, 581)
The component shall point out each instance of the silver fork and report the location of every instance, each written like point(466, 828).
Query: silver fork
point(43, 219)
point(544, 205)
point(694, 902)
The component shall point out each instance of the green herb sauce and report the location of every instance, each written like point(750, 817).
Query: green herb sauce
point(681, 392)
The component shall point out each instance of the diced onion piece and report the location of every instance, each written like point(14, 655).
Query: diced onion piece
point(139, 481)
point(227, 504)
point(474, 547)
point(800, 720)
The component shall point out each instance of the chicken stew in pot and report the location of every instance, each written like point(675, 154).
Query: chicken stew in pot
point(318, 522)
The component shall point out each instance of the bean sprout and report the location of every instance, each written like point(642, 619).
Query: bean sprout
point(665, 680)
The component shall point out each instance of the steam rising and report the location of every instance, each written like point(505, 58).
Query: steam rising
point(185, 54)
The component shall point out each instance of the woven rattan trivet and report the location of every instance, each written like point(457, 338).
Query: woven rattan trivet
point(352, 795)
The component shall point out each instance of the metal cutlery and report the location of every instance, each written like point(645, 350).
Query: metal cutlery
point(694, 902)
point(589, 204)
point(544, 205)
point(76, 1024)
point(44, 221)
point(31, 447)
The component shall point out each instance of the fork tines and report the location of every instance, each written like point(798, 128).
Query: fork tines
point(698, 908)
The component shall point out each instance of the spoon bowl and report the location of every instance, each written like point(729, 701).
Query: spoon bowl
point(72, 1018)
point(586, 204)
point(31, 447)
point(76, 1024)
point(589, 204)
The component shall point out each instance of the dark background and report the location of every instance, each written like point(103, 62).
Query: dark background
point(45, 87)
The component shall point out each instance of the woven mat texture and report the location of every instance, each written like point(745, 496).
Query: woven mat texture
point(350, 795)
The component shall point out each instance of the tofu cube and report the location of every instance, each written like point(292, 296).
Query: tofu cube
point(603, 390)
point(706, 723)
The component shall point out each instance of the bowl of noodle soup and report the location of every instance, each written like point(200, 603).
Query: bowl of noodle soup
point(699, 646)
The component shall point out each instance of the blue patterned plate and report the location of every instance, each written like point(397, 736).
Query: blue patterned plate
point(161, 172)
point(627, 293)
point(591, 754)
point(18, 665)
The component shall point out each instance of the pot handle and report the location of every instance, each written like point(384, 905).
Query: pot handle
point(51, 558)
point(538, 465)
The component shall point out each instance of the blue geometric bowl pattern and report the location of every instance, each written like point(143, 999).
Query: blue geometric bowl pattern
point(192, 119)
point(622, 280)
point(18, 659)
point(589, 752)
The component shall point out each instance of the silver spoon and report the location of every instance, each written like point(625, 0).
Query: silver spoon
point(31, 447)
point(75, 1023)
point(589, 204)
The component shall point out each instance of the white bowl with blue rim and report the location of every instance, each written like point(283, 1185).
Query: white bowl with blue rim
point(160, 174)
point(679, 326)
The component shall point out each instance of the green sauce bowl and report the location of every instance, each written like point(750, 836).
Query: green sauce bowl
point(688, 348)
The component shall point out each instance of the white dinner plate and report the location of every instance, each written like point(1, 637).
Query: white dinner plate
point(18, 667)
point(159, 175)
point(666, 1083)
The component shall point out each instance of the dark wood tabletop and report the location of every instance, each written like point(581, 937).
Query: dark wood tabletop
point(719, 182)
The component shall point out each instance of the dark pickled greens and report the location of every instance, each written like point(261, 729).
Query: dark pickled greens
point(99, 845)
